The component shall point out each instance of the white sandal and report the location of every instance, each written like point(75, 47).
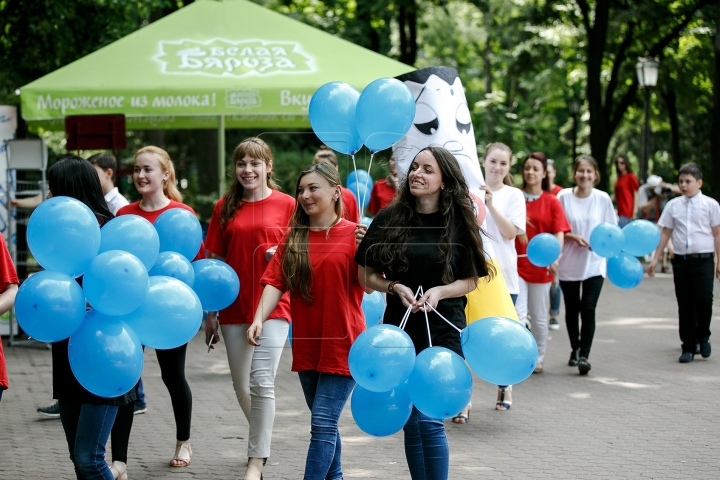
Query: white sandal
point(182, 454)
point(119, 470)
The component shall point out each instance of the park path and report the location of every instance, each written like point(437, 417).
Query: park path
point(638, 414)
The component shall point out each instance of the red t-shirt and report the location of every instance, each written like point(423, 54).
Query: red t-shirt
point(134, 209)
point(556, 189)
point(324, 331)
point(381, 196)
point(9, 277)
point(243, 242)
point(625, 188)
point(544, 215)
point(350, 206)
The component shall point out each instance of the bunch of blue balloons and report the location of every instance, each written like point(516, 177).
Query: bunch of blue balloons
point(622, 247)
point(137, 278)
point(391, 379)
point(360, 183)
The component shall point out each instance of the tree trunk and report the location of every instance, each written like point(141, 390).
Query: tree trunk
point(407, 25)
point(715, 137)
point(488, 121)
point(671, 102)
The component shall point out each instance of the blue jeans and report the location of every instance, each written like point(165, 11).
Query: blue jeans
point(426, 447)
point(513, 297)
point(140, 394)
point(325, 395)
point(622, 221)
point(555, 298)
point(87, 428)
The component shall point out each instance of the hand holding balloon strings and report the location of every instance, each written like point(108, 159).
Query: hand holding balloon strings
point(406, 317)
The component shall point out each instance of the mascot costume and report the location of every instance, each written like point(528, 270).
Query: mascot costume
point(442, 118)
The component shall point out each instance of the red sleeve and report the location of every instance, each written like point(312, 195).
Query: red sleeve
point(560, 222)
point(634, 186)
point(273, 273)
point(9, 275)
point(214, 241)
point(374, 205)
point(350, 206)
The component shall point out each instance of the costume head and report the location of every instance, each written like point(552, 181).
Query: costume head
point(442, 118)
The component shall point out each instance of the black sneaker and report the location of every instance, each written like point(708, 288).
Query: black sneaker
point(705, 349)
point(553, 325)
point(686, 357)
point(584, 366)
point(139, 409)
point(697, 349)
point(574, 358)
point(52, 411)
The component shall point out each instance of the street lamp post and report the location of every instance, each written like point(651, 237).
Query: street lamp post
point(647, 72)
point(574, 105)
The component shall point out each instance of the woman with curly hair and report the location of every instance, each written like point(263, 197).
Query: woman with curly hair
point(428, 236)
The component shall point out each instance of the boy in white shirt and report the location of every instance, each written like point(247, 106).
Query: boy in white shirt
point(693, 222)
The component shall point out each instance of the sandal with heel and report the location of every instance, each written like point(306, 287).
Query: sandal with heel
point(119, 470)
point(461, 418)
point(183, 452)
point(504, 403)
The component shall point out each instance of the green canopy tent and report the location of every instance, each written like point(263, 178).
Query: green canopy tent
point(212, 64)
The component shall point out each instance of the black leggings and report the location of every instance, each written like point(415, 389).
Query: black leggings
point(584, 307)
point(172, 369)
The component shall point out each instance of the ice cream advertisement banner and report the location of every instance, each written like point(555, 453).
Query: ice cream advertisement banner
point(442, 117)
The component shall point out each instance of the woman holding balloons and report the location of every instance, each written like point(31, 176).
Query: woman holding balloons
point(246, 227)
point(315, 265)
point(544, 215)
point(434, 244)
point(154, 179)
point(351, 211)
point(581, 270)
point(86, 418)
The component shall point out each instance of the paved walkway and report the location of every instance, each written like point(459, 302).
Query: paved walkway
point(639, 413)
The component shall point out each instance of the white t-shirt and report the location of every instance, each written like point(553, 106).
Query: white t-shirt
point(510, 202)
point(584, 214)
point(115, 201)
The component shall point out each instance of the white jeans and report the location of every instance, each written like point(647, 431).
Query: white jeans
point(534, 299)
point(253, 372)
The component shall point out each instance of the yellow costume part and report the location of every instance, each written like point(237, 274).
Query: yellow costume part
point(490, 299)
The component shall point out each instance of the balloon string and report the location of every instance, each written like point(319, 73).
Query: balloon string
point(367, 180)
point(356, 182)
point(427, 321)
point(448, 321)
point(405, 318)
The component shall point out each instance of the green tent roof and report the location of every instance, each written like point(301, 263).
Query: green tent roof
point(256, 67)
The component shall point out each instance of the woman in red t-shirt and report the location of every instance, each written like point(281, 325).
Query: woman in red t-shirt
point(315, 265)
point(246, 226)
point(9, 287)
point(625, 193)
point(351, 211)
point(154, 179)
point(544, 215)
point(384, 189)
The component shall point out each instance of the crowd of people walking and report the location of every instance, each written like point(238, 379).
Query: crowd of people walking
point(304, 258)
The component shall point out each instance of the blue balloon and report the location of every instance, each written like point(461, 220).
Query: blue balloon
point(332, 117)
point(290, 333)
point(607, 240)
point(133, 234)
point(625, 271)
point(216, 284)
point(381, 413)
point(543, 250)
point(381, 358)
point(641, 238)
point(384, 113)
point(169, 316)
point(440, 384)
point(105, 355)
point(115, 283)
point(171, 264)
point(361, 176)
point(64, 235)
point(179, 231)
point(373, 306)
point(361, 193)
point(50, 306)
point(366, 221)
point(499, 350)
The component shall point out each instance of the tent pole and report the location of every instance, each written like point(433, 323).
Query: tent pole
point(221, 156)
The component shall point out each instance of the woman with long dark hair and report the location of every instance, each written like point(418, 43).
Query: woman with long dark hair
point(544, 215)
point(246, 227)
point(315, 266)
point(86, 418)
point(428, 236)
